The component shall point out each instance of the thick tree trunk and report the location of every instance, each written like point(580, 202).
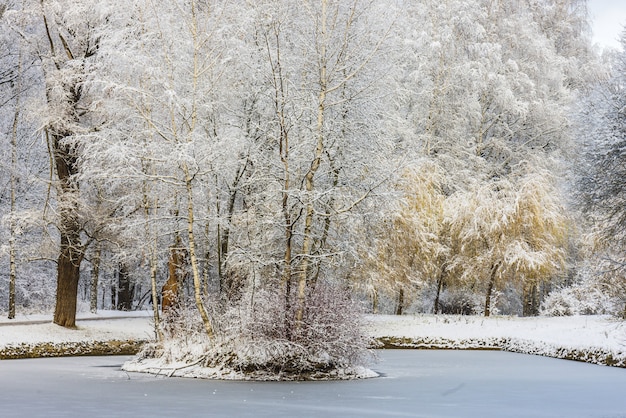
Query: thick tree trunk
point(68, 274)
point(71, 251)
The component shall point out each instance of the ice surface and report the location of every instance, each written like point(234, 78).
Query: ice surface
point(416, 384)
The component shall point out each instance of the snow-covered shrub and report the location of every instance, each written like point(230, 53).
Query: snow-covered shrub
point(258, 338)
point(579, 299)
point(462, 302)
point(264, 341)
point(184, 339)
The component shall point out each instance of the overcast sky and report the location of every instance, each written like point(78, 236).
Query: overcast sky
point(608, 18)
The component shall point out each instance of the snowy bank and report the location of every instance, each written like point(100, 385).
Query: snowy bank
point(593, 339)
point(108, 332)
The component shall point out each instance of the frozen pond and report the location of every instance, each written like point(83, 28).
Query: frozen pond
point(416, 384)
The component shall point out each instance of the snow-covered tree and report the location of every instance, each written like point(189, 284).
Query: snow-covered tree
point(66, 54)
point(602, 172)
point(253, 127)
point(23, 165)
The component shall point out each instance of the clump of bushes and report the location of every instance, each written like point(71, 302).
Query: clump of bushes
point(257, 337)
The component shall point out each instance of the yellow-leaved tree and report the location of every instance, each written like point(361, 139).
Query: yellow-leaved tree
point(508, 231)
point(410, 248)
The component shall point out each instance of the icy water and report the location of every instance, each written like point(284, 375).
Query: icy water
point(415, 384)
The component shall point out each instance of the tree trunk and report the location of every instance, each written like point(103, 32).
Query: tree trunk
point(113, 301)
point(68, 274)
point(375, 301)
point(206, 271)
point(530, 300)
point(309, 178)
point(66, 165)
point(71, 251)
point(124, 289)
point(95, 274)
point(400, 304)
point(172, 289)
point(154, 293)
point(326, 229)
point(195, 271)
point(227, 284)
point(440, 283)
point(13, 181)
point(490, 286)
point(12, 276)
point(149, 208)
point(12, 268)
point(283, 150)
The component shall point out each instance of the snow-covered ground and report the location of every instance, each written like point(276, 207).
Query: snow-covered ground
point(568, 331)
point(565, 337)
point(106, 325)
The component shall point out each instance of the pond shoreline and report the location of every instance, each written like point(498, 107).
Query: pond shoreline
point(593, 355)
point(590, 339)
point(597, 356)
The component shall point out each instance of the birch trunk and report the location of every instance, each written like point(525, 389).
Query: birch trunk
point(309, 179)
point(195, 271)
point(13, 186)
point(152, 235)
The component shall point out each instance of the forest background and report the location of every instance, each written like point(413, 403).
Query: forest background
point(285, 160)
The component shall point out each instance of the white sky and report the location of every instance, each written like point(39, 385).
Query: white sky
point(608, 18)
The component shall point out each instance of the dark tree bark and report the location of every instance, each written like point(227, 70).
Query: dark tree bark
point(124, 289)
point(64, 156)
point(440, 284)
point(490, 286)
point(177, 264)
point(71, 251)
point(531, 300)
